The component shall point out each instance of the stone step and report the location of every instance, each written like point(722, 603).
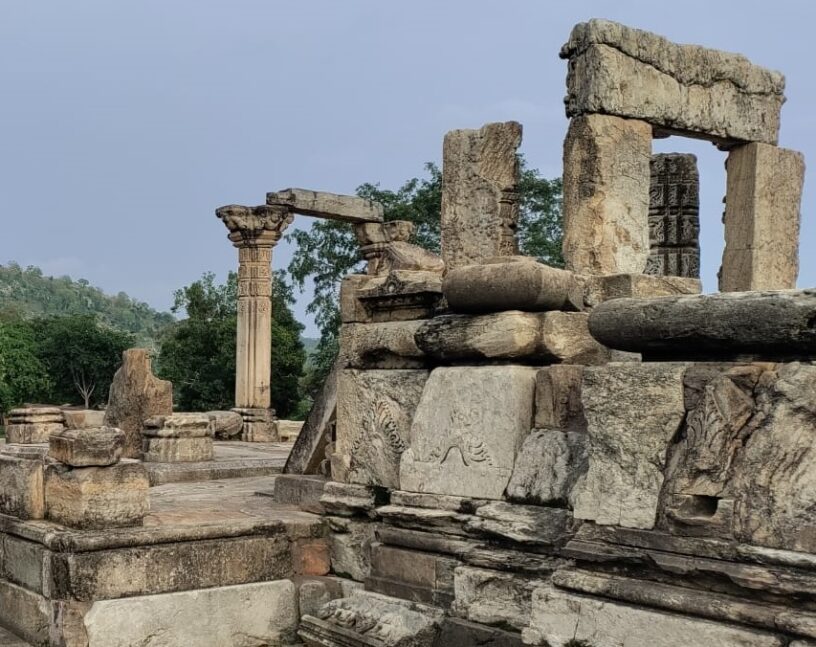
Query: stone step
point(8, 639)
point(303, 491)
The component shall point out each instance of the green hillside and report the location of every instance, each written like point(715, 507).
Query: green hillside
point(27, 293)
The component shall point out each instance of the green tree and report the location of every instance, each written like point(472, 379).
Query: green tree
point(23, 377)
point(328, 251)
point(80, 355)
point(198, 353)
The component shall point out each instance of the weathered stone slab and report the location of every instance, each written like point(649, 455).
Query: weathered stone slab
point(467, 429)
point(135, 395)
point(461, 632)
point(350, 499)
point(25, 613)
point(373, 620)
point(480, 175)
point(598, 289)
point(674, 216)
point(744, 325)
point(260, 424)
point(548, 467)
point(762, 216)
point(350, 547)
point(680, 88)
point(401, 295)
point(97, 497)
point(87, 447)
point(558, 398)
point(301, 490)
point(83, 418)
point(374, 414)
point(22, 492)
point(633, 411)
point(606, 195)
point(559, 617)
point(522, 524)
point(493, 598)
point(251, 615)
point(381, 345)
point(21, 562)
point(348, 208)
point(309, 449)
point(716, 606)
point(514, 283)
point(177, 450)
point(547, 337)
point(412, 575)
point(32, 432)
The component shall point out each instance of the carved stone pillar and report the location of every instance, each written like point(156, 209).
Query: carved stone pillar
point(255, 231)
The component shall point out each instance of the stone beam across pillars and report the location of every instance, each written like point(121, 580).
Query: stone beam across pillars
point(346, 208)
point(255, 231)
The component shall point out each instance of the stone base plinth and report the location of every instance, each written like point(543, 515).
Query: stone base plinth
point(260, 425)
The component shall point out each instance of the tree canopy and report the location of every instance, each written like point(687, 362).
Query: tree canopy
point(328, 251)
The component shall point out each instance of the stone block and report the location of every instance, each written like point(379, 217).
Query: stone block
point(401, 295)
point(350, 499)
point(24, 612)
point(32, 432)
point(177, 450)
point(260, 425)
point(87, 447)
point(548, 337)
point(135, 395)
point(381, 345)
point(83, 418)
point(311, 557)
point(514, 283)
point(532, 526)
point(22, 490)
point(301, 490)
point(549, 468)
point(598, 289)
point(425, 577)
point(774, 325)
point(288, 430)
point(97, 497)
point(480, 177)
point(558, 398)
point(22, 562)
point(461, 632)
point(633, 412)
point(467, 430)
point(762, 217)
point(250, 615)
point(225, 424)
point(374, 414)
point(560, 617)
point(679, 88)
point(350, 547)
point(321, 204)
point(606, 195)
point(314, 592)
point(492, 597)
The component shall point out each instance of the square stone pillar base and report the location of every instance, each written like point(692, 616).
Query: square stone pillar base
point(260, 425)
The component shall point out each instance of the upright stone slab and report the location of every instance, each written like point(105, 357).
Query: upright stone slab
point(763, 198)
point(468, 427)
point(633, 411)
point(135, 395)
point(480, 176)
point(674, 216)
point(374, 414)
point(617, 70)
point(606, 195)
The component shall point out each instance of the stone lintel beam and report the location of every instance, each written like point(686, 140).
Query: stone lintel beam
point(346, 208)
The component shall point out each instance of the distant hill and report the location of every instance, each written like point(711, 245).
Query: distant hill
point(309, 344)
point(27, 293)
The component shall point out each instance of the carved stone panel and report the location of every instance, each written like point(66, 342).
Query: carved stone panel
point(374, 414)
point(469, 426)
point(674, 216)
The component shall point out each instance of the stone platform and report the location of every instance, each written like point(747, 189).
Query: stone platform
point(8, 639)
point(211, 550)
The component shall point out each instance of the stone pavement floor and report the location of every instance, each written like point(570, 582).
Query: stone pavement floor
point(8, 639)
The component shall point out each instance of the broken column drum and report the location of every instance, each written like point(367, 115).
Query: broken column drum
point(254, 231)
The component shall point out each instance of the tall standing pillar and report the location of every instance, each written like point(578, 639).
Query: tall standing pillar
point(255, 231)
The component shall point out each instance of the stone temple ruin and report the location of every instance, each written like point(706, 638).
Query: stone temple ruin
point(506, 453)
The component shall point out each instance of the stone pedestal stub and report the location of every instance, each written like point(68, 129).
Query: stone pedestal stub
point(374, 414)
point(468, 427)
point(606, 195)
point(33, 424)
point(480, 175)
point(22, 493)
point(762, 217)
point(674, 216)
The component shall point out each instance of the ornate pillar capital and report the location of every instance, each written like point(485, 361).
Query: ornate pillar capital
point(260, 226)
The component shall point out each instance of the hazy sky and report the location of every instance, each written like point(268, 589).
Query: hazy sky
point(125, 123)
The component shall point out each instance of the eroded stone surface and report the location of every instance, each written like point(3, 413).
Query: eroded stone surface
point(87, 447)
point(606, 195)
point(381, 345)
point(677, 87)
point(135, 395)
point(349, 208)
point(375, 409)
point(22, 491)
point(479, 200)
point(467, 429)
point(633, 411)
point(493, 598)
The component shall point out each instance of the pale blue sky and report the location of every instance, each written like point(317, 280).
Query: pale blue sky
point(125, 123)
